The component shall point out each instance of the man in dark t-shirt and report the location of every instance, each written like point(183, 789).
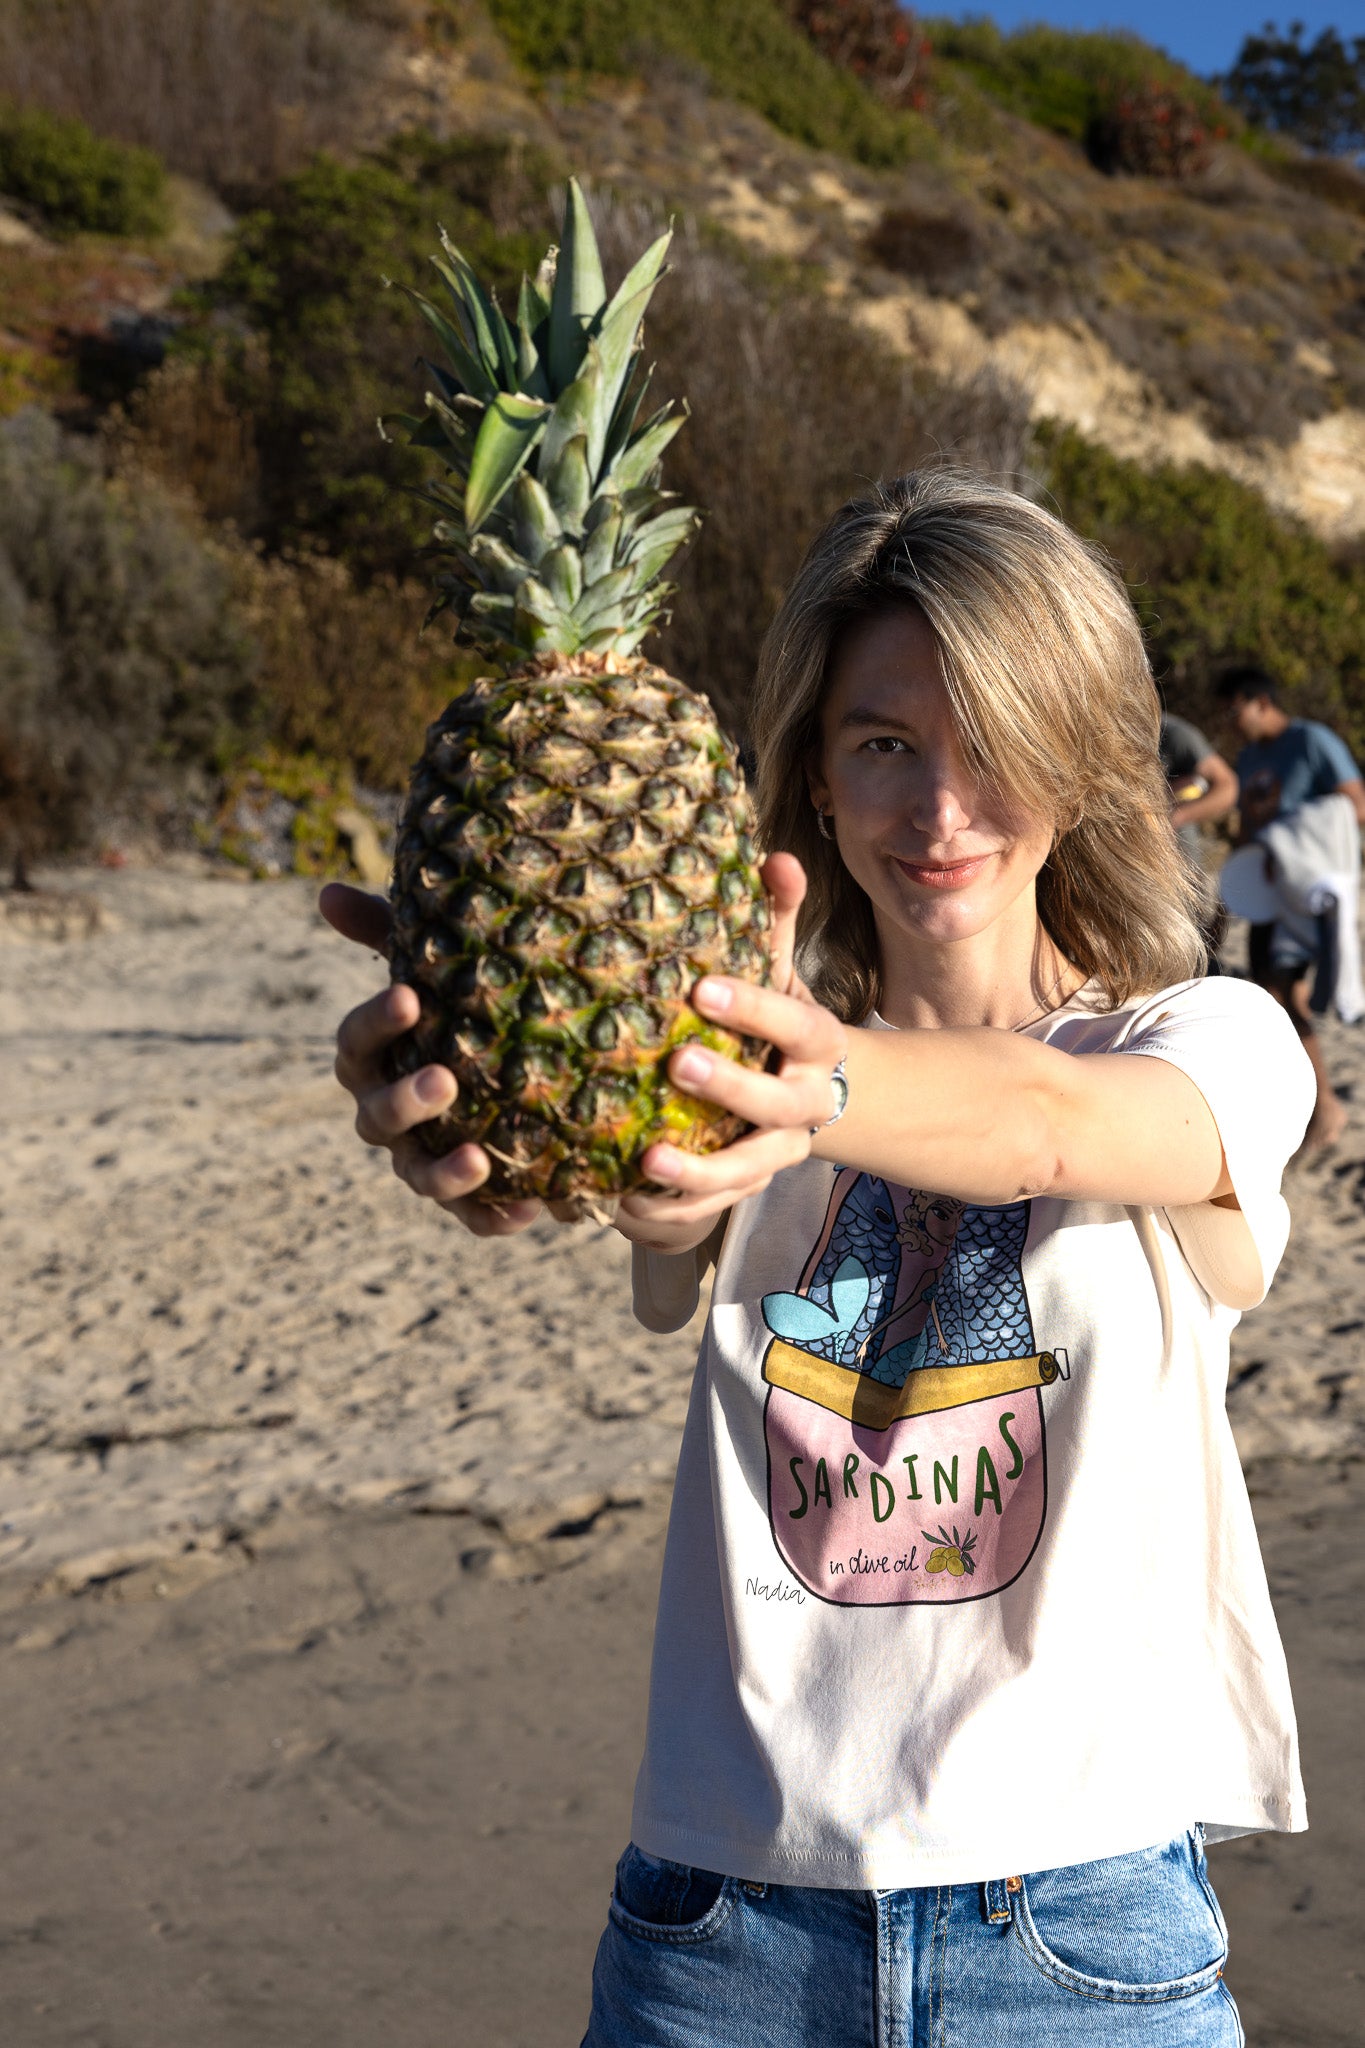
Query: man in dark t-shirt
point(1287, 762)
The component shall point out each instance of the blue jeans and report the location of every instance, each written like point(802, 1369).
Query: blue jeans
point(1127, 1949)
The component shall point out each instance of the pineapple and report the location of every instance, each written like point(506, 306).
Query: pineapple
point(574, 849)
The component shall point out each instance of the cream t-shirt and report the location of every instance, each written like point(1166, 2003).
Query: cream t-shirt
point(961, 1575)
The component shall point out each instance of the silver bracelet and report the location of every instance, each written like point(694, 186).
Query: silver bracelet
point(838, 1082)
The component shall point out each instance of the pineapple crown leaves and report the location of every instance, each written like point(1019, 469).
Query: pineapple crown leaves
point(552, 530)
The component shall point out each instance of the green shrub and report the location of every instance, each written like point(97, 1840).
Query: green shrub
point(1063, 79)
point(1149, 131)
point(77, 180)
point(123, 663)
point(344, 672)
point(306, 275)
point(749, 50)
point(878, 40)
point(1217, 576)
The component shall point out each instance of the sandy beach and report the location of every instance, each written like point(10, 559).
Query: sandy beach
point(329, 1536)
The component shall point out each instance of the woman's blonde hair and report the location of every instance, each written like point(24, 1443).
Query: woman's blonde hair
point(1043, 661)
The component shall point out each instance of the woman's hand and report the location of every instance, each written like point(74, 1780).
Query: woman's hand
point(692, 1190)
point(782, 1106)
point(388, 1112)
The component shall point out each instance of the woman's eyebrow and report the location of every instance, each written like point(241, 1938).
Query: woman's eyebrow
point(863, 714)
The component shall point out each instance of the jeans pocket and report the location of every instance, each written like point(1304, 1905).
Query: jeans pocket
point(1133, 1930)
point(657, 1900)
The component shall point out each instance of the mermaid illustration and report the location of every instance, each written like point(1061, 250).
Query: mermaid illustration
point(902, 1279)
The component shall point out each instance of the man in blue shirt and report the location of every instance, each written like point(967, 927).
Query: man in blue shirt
point(1287, 762)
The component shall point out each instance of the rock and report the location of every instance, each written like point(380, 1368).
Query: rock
point(363, 843)
point(16, 233)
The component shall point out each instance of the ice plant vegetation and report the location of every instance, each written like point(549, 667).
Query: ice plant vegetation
point(574, 850)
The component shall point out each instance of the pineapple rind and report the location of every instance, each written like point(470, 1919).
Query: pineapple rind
point(553, 939)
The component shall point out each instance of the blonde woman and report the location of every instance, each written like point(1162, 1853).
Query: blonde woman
point(964, 1643)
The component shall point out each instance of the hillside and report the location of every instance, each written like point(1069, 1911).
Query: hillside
point(1218, 319)
point(869, 270)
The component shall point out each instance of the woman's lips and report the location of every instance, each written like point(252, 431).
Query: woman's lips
point(943, 874)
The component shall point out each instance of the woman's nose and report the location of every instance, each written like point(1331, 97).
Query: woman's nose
point(939, 806)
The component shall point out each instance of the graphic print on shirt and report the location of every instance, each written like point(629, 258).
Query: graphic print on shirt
point(906, 1434)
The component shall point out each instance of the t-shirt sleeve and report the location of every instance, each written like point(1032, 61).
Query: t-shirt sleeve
point(1335, 759)
point(1239, 1048)
point(666, 1286)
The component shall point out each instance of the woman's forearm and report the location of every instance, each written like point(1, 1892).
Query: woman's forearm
point(990, 1117)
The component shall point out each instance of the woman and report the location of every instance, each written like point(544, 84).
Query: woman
point(964, 1641)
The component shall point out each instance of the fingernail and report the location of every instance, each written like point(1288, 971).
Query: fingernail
point(717, 995)
point(432, 1084)
point(691, 1064)
point(663, 1163)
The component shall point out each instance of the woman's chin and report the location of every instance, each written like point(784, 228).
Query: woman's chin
point(947, 921)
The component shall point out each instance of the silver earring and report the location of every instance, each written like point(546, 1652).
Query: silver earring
point(825, 832)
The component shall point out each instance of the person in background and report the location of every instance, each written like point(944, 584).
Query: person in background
point(1203, 789)
point(1284, 763)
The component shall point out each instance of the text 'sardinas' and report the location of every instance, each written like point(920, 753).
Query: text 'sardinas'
point(574, 850)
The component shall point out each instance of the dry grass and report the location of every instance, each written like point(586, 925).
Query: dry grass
point(186, 426)
point(234, 92)
point(1325, 177)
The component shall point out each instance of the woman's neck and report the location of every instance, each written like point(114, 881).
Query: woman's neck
point(1003, 977)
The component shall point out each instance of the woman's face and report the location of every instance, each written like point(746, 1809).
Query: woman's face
point(941, 856)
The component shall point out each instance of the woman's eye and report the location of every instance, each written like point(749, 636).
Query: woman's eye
point(885, 744)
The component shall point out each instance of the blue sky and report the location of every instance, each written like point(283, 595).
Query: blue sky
point(1205, 34)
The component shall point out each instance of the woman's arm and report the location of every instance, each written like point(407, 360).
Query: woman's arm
point(984, 1115)
point(991, 1117)
point(1217, 800)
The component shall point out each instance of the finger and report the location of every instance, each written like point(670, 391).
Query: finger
point(357, 915)
point(732, 1172)
point(670, 1213)
point(662, 1215)
point(796, 1097)
point(386, 1113)
point(451, 1182)
point(447, 1179)
point(802, 1030)
point(785, 880)
point(504, 1219)
point(366, 1030)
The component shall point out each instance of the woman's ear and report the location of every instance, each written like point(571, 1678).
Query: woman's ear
point(815, 781)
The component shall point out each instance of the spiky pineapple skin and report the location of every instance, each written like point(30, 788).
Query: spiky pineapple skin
point(572, 855)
